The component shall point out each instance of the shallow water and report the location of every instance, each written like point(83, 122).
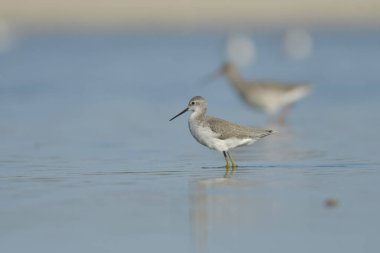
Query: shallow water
point(90, 163)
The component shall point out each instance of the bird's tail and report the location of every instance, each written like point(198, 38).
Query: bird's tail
point(298, 92)
point(261, 133)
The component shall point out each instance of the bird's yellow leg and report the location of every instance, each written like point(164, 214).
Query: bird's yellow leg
point(232, 161)
point(225, 158)
point(227, 165)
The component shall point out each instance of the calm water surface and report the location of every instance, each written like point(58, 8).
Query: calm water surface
point(90, 163)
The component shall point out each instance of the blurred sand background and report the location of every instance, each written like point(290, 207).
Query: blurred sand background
point(189, 14)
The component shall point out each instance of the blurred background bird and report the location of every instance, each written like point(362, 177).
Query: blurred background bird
point(271, 97)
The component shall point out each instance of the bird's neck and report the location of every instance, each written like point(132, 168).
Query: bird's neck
point(236, 79)
point(198, 115)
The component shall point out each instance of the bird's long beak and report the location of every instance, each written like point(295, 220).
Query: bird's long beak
point(179, 114)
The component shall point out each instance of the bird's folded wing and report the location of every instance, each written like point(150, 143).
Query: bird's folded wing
point(225, 130)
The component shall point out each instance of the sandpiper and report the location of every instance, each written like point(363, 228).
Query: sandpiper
point(268, 96)
point(219, 134)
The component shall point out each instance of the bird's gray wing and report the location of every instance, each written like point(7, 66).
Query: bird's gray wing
point(225, 130)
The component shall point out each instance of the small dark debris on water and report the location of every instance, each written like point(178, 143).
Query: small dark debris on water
point(331, 203)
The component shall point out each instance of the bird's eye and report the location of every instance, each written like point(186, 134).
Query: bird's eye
point(193, 103)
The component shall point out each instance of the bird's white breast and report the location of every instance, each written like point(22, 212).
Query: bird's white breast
point(203, 134)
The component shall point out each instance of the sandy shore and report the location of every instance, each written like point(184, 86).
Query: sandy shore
point(190, 14)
